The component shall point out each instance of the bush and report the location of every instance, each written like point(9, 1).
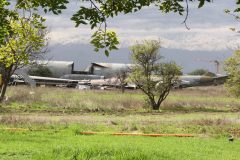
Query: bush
point(42, 71)
point(202, 72)
point(232, 68)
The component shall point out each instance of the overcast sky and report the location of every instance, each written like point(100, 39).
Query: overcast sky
point(208, 39)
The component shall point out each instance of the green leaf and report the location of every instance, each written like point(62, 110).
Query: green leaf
point(106, 53)
point(201, 3)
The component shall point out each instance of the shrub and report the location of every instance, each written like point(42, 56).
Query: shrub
point(40, 70)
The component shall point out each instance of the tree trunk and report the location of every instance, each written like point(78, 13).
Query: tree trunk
point(123, 88)
point(3, 90)
point(6, 75)
point(1, 81)
point(156, 106)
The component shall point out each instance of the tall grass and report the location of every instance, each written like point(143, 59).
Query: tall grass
point(204, 99)
point(71, 100)
point(59, 114)
point(211, 125)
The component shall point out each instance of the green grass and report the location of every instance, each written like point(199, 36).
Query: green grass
point(66, 144)
point(207, 124)
point(54, 117)
point(60, 100)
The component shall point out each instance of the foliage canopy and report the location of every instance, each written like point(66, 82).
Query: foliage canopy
point(202, 72)
point(153, 77)
point(232, 67)
point(40, 70)
point(22, 42)
point(96, 12)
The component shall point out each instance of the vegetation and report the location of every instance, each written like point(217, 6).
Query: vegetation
point(198, 72)
point(202, 72)
point(232, 68)
point(96, 14)
point(122, 78)
point(45, 123)
point(153, 77)
point(206, 111)
point(58, 143)
point(40, 70)
point(98, 11)
point(58, 100)
point(23, 43)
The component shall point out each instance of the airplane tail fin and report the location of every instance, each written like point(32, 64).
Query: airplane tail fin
point(28, 79)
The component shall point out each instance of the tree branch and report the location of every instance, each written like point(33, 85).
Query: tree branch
point(186, 17)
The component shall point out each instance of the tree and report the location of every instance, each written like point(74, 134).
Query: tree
point(40, 70)
point(96, 13)
point(5, 16)
point(24, 41)
point(198, 72)
point(153, 77)
point(232, 67)
point(122, 77)
point(202, 72)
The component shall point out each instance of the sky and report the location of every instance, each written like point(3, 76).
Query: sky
point(208, 39)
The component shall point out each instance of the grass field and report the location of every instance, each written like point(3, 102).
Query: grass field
point(66, 144)
point(207, 99)
point(45, 123)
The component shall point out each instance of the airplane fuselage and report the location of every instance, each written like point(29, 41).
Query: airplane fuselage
point(189, 81)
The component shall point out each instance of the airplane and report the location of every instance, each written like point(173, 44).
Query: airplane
point(199, 80)
point(82, 77)
point(65, 70)
point(54, 81)
point(63, 74)
point(109, 83)
point(37, 81)
point(108, 70)
point(105, 74)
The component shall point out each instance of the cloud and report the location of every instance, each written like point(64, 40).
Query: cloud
point(209, 39)
point(209, 28)
point(69, 36)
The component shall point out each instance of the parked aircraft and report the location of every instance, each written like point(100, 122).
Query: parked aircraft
point(108, 70)
point(57, 68)
point(201, 80)
point(65, 70)
point(81, 77)
point(37, 80)
point(110, 82)
point(54, 81)
point(105, 74)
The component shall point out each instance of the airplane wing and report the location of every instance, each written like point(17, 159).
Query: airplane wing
point(220, 79)
point(182, 84)
point(54, 81)
point(38, 80)
point(105, 82)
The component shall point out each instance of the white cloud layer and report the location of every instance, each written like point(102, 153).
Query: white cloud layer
point(209, 29)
